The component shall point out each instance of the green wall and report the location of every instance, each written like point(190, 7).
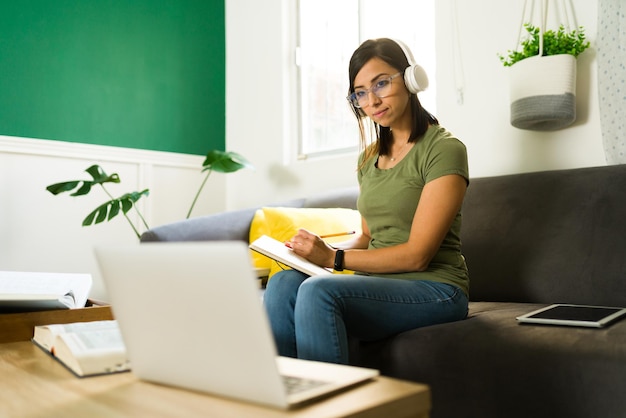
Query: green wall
point(147, 74)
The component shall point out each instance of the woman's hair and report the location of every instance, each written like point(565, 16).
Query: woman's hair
point(390, 52)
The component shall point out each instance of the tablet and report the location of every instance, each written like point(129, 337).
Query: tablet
point(574, 315)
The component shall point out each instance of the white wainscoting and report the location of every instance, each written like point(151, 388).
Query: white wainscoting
point(42, 232)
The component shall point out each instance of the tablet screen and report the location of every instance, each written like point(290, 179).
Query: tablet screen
point(577, 315)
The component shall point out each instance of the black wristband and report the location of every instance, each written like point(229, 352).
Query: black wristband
point(339, 260)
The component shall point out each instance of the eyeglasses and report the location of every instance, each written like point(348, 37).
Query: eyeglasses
point(380, 89)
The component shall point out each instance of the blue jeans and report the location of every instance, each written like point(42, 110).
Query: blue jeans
point(311, 317)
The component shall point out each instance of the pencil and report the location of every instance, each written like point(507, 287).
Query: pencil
point(338, 234)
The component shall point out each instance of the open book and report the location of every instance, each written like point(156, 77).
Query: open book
point(35, 291)
point(277, 250)
point(86, 348)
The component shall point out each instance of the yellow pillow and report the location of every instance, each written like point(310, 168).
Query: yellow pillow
point(282, 223)
point(258, 227)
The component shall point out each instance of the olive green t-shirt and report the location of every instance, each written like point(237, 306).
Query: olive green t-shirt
point(388, 200)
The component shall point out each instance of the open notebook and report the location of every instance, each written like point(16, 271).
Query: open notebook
point(191, 316)
point(277, 251)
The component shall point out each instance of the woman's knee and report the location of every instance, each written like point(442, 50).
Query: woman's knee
point(283, 286)
point(317, 290)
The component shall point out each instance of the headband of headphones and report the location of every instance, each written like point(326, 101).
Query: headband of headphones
point(415, 77)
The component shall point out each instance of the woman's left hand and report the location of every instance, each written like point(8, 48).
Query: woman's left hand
point(312, 247)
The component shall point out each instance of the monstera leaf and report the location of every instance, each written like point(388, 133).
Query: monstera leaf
point(98, 175)
point(222, 162)
point(107, 210)
point(111, 209)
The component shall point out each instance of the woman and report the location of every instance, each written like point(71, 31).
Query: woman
point(409, 268)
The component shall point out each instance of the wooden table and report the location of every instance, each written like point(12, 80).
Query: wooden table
point(33, 384)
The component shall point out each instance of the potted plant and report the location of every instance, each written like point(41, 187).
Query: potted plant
point(543, 78)
point(554, 43)
point(220, 161)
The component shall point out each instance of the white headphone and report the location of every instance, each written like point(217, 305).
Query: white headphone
point(415, 77)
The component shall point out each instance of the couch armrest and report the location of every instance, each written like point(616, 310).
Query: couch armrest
point(225, 226)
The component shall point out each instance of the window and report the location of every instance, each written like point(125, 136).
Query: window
point(328, 33)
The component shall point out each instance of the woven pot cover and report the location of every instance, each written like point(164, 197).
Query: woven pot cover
point(543, 92)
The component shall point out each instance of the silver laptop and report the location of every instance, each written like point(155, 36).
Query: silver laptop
point(191, 316)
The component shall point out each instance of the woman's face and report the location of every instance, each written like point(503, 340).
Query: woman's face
point(392, 110)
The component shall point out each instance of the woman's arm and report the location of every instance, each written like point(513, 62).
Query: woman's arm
point(440, 202)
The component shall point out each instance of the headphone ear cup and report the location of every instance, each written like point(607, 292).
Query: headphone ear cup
point(415, 79)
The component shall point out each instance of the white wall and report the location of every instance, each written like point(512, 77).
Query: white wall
point(42, 232)
point(489, 27)
point(259, 114)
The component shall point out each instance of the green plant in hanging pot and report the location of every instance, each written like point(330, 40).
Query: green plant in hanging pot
point(220, 161)
point(543, 78)
point(554, 43)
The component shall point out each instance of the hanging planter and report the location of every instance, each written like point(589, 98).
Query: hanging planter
point(543, 77)
point(543, 92)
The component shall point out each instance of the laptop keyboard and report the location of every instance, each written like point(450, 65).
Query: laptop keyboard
point(295, 384)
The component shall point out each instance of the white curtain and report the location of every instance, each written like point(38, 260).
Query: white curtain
point(611, 48)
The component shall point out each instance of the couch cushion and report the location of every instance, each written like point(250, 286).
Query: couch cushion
point(258, 227)
point(334, 198)
point(547, 237)
point(492, 366)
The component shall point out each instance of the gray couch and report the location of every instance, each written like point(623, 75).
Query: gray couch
point(530, 240)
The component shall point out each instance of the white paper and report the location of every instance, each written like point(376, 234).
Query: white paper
point(277, 250)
